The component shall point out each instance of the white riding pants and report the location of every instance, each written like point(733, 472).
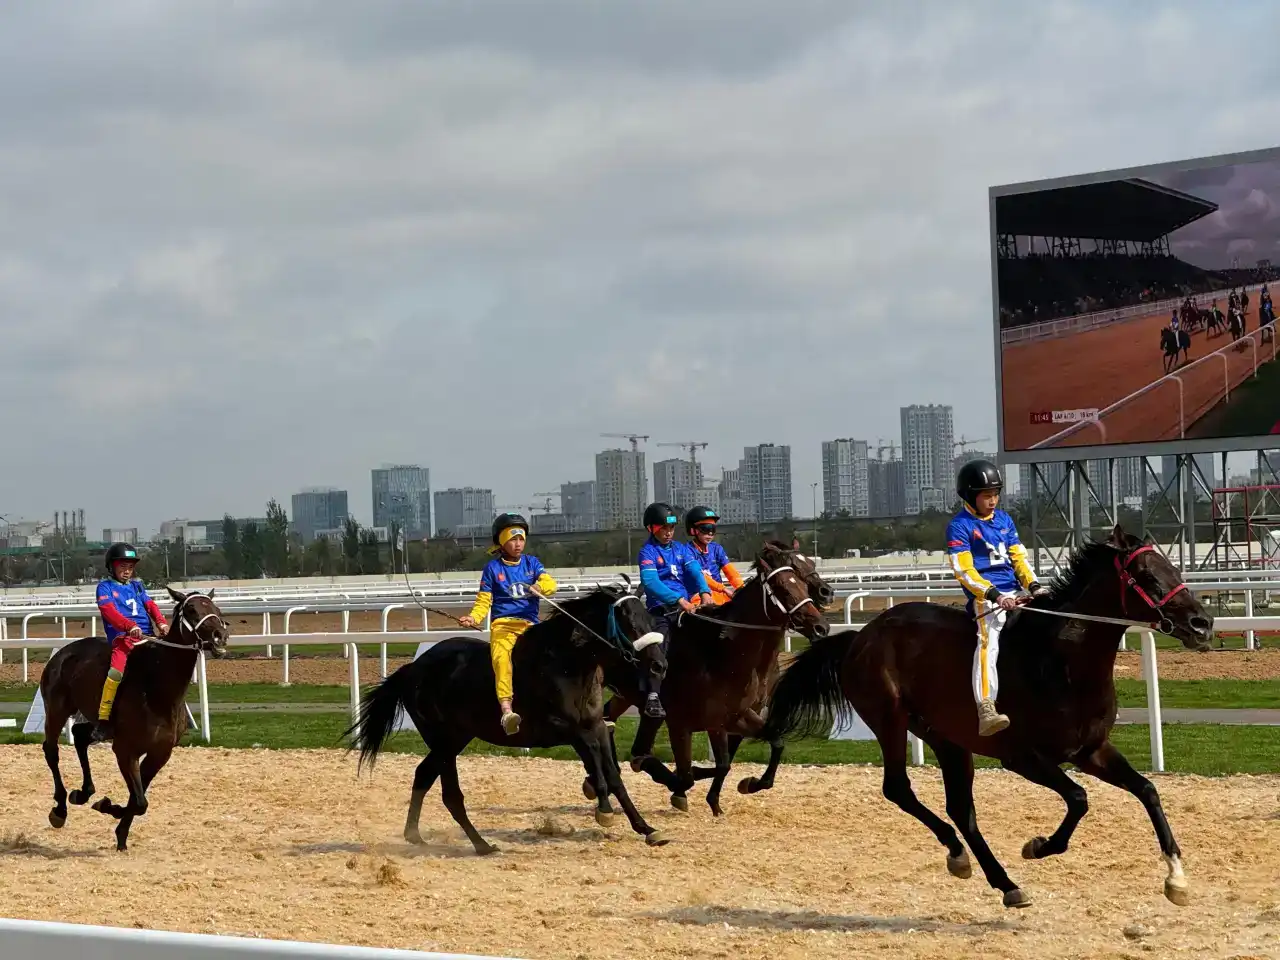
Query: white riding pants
point(985, 682)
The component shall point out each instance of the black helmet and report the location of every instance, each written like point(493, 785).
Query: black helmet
point(975, 476)
point(119, 551)
point(699, 515)
point(659, 515)
point(504, 520)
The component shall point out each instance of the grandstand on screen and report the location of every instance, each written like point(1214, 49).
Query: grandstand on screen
point(1076, 250)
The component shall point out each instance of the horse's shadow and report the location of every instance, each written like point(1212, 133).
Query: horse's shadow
point(22, 845)
point(443, 845)
point(784, 920)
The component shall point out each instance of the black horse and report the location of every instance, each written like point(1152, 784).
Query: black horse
point(149, 716)
point(1171, 344)
point(557, 666)
point(908, 670)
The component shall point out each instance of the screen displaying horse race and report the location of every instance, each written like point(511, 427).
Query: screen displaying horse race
point(1136, 308)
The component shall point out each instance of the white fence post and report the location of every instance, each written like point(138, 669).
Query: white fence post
point(1154, 718)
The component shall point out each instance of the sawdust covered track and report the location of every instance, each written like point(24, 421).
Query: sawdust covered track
point(290, 844)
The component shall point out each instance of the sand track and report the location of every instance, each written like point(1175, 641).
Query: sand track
point(290, 844)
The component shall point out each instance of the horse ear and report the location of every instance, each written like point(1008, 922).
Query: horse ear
point(209, 595)
point(1119, 539)
point(178, 595)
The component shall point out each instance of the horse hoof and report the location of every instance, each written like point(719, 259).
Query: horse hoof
point(57, 820)
point(101, 805)
point(1016, 898)
point(1176, 891)
point(716, 811)
point(680, 803)
point(1031, 849)
point(637, 764)
point(604, 819)
point(960, 867)
point(79, 797)
point(414, 837)
point(747, 785)
point(657, 839)
point(484, 849)
point(588, 790)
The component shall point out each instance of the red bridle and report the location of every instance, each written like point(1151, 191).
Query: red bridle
point(1126, 580)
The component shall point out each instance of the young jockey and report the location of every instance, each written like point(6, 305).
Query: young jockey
point(510, 584)
point(127, 613)
point(671, 575)
point(700, 524)
point(991, 563)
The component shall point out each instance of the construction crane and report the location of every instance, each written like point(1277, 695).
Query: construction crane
point(547, 503)
point(692, 446)
point(965, 442)
point(633, 437)
point(881, 447)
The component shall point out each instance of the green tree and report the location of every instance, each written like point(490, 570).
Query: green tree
point(351, 545)
point(275, 541)
point(370, 554)
point(251, 550)
point(233, 557)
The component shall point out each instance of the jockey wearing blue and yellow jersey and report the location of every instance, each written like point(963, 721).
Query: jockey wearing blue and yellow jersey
point(722, 579)
point(510, 586)
point(991, 564)
point(671, 576)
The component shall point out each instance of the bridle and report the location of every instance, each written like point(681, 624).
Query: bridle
point(182, 617)
point(614, 639)
point(769, 594)
point(1127, 582)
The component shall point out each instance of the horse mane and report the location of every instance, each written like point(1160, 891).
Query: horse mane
point(557, 629)
point(1065, 590)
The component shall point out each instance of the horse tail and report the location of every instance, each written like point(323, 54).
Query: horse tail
point(379, 712)
point(807, 697)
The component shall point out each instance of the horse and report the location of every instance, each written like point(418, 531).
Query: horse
point(557, 666)
point(149, 715)
point(908, 669)
point(1235, 323)
point(720, 666)
point(1171, 344)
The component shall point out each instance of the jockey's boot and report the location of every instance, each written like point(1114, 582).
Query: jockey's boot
point(102, 730)
point(989, 721)
point(510, 722)
point(653, 707)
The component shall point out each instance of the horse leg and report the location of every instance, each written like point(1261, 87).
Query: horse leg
point(1109, 765)
point(423, 777)
point(751, 724)
point(58, 815)
point(138, 804)
point(897, 790)
point(612, 710)
point(613, 777)
point(1040, 771)
point(642, 758)
point(80, 734)
point(451, 791)
point(589, 749)
point(682, 752)
point(719, 741)
point(957, 778)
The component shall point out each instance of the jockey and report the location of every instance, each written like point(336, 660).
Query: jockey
point(127, 613)
point(991, 563)
point(1174, 322)
point(510, 585)
point(700, 524)
point(671, 575)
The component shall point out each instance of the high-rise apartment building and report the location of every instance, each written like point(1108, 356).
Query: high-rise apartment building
point(621, 490)
point(670, 476)
point(464, 511)
point(402, 496)
point(734, 505)
point(578, 504)
point(766, 479)
point(886, 488)
point(845, 490)
point(928, 437)
point(318, 509)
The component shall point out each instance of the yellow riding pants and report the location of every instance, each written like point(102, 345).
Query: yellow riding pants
point(502, 639)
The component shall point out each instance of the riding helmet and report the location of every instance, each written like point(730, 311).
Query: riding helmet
point(699, 515)
point(504, 520)
point(119, 551)
point(976, 476)
point(659, 515)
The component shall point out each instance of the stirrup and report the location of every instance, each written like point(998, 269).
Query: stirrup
point(102, 732)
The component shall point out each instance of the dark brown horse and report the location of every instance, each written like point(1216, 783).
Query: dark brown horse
point(721, 662)
point(908, 669)
point(149, 716)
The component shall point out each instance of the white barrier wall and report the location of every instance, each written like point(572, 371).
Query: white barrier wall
point(41, 940)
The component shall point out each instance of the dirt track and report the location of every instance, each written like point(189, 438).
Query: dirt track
point(1095, 368)
point(291, 845)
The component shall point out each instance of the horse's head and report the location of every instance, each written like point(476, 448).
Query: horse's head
point(821, 592)
point(198, 622)
point(619, 617)
point(786, 591)
point(1150, 586)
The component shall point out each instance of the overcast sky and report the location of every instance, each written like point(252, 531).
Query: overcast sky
point(1246, 225)
point(251, 247)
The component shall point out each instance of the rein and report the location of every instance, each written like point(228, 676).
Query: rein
point(180, 616)
point(768, 594)
point(620, 642)
point(1127, 582)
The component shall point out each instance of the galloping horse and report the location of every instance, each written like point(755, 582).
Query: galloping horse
point(721, 664)
point(149, 716)
point(1172, 343)
point(908, 670)
point(557, 666)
